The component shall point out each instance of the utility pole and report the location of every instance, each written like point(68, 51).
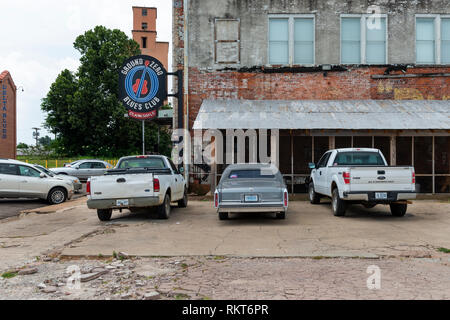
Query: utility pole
point(36, 135)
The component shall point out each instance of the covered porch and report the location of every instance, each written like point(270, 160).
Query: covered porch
point(415, 133)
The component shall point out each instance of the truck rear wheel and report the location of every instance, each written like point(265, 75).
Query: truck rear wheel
point(314, 198)
point(398, 209)
point(104, 214)
point(164, 208)
point(339, 206)
point(184, 201)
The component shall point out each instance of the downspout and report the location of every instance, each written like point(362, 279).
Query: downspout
point(186, 139)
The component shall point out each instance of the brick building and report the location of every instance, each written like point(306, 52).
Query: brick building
point(144, 33)
point(326, 74)
point(8, 134)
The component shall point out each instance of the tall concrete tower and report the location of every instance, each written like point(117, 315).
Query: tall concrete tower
point(144, 33)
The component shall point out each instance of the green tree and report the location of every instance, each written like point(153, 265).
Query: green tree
point(83, 109)
point(22, 145)
point(45, 141)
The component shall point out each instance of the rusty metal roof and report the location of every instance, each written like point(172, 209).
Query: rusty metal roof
point(324, 114)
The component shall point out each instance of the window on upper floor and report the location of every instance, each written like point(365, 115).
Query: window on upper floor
point(144, 42)
point(144, 25)
point(144, 12)
point(432, 39)
point(363, 39)
point(227, 40)
point(291, 39)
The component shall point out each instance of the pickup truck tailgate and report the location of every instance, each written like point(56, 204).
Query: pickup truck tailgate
point(381, 179)
point(122, 186)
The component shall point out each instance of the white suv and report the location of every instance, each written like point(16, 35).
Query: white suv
point(21, 180)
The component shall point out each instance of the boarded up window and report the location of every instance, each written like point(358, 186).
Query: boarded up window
point(227, 41)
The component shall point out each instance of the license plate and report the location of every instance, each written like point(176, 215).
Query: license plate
point(381, 195)
point(251, 198)
point(122, 202)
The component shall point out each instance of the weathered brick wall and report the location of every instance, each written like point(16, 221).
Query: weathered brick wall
point(356, 83)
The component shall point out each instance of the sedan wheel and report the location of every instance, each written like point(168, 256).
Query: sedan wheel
point(223, 215)
point(57, 196)
point(281, 215)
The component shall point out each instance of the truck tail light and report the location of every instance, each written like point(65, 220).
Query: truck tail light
point(88, 187)
point(286, 198)
point(346, 176)
point(414, 177)
point(156, 186)
point(216, 200)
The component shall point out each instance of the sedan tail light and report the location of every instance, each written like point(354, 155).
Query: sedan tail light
point(88, 187)
point(346, 176)
point(216, 200)
point(286, 198)
point(156, 186)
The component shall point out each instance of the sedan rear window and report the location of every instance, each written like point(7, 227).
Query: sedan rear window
point(359, 159)
point(154, 163)
point(250, 174)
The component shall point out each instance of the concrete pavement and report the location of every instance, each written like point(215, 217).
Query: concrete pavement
point(308, 231)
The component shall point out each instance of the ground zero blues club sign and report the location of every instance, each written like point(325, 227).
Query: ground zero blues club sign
point(142, 86)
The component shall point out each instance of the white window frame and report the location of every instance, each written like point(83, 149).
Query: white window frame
point(291, 18)
point(363, 25)
point(437, 35)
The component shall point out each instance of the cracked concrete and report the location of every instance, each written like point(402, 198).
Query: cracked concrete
point(309, 231)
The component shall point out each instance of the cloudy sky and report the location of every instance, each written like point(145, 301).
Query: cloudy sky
point(37, 43)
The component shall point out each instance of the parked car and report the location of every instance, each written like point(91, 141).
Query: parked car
point(77, 185)
point(251, 188)
point(359, 175)
point(21, 180)
point(84, 169)
point(138, 182)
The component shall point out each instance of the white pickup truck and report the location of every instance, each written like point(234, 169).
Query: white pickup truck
point(137, 182)
point(360, 175)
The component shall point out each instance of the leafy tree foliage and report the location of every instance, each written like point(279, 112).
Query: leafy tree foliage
point(83, 109)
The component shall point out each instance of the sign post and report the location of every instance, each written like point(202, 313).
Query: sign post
point(142, 88)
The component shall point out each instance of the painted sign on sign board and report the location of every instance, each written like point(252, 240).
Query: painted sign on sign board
point(142, 86)
point(4, 111)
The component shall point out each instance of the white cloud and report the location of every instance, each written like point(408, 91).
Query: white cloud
point(39, 43)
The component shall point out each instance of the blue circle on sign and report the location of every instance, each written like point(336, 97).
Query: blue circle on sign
point(154, 84)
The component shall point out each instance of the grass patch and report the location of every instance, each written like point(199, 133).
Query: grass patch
point(182, 296)
point(444, 250)
point(219, 258)
point(9, 275)
point(318, 257)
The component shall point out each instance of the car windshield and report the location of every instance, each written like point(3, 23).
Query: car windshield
point(359, 158)
point(51, 174)
point(250, 174)
point(72, 163)
point(154, 163)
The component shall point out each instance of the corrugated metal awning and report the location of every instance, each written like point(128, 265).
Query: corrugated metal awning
point(324, 114)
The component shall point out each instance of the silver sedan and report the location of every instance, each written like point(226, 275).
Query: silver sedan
point(251, 188)
point(84, 169)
